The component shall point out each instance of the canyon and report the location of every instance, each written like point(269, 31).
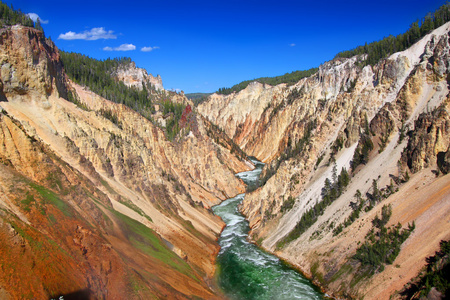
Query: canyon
point(98, 202)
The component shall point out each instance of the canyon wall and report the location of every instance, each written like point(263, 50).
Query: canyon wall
point(385, 126)
point(120, 210)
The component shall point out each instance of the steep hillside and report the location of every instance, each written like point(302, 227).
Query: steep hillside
point(340, 145)
point(60, 235)
point(101, 188)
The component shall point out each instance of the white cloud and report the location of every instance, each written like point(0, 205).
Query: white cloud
point(88, 35)
point(292, 45)
point(72, 36)
point(123, 47)
point(148, 49)
point(35, 17)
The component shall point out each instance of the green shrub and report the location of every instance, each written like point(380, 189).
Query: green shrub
point(382, 244)
point(330, 192)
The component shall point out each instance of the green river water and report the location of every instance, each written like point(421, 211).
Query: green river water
point(247, 272)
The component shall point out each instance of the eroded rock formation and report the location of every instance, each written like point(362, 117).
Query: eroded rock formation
point(133, 76)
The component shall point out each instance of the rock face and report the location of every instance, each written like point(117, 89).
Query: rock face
point(429, 142)
point(124, 212)
point(237, 114)
point(262, 118)
point(133, 76)
point(390, 120)
point(40, 73)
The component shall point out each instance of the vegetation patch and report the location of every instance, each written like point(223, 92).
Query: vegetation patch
point(378, 50)
point(435, 274)
point(352, 84)
point(27, 202)
point(99, 76)
point(382, 244)
point(173, 111)
point(106, 184)
point(55, 182)
point(362, 151)
point(330, 192)
point(146, 240)
point(288, 204)
point(198, 98)
point(110, 115)
point(365, 204)
point(221, 138)
point(338, 144)
point(385, 137)
point(44, 252)
point(50, 197)
point(135, 284)
point(345, 269)
point(9, 16)
point(315, 272)
point(72, 96)
point(288, 78)
point(260, 241)
point(381, 247)
point(134, 207)
point(319, 160)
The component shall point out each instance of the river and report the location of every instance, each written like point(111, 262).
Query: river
point(244, 270)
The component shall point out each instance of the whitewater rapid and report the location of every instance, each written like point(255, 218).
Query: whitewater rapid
point(244, 270)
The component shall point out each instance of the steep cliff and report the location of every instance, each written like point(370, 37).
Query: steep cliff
point(125, 209)
point(30, 66)
point(339, 133)
point(137, 77)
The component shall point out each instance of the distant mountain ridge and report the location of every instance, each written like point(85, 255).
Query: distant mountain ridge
point(288, 78)
point(197, 98)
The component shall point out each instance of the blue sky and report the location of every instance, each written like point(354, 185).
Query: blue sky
point(200, 46)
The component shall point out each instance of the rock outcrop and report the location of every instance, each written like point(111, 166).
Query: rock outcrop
point(429, 143)
point(29, 64)
point(136, 77)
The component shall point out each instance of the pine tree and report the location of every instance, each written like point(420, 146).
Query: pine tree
point(38, 25)
point(375, 192)
point(334, 174)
